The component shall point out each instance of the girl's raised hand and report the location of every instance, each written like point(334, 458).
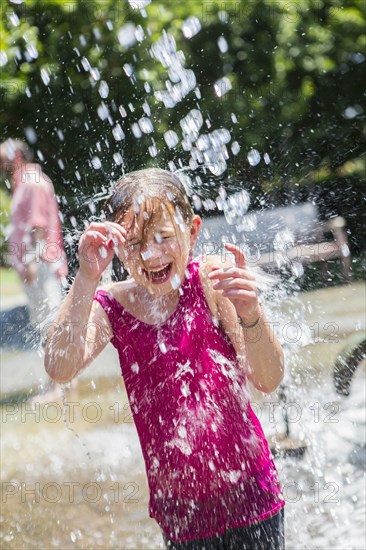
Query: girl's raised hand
point(97, 246)
point(238, 285)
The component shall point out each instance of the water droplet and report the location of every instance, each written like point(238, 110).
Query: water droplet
point(185, 389)
point(146, 255)
point(297, 269)
point(30, 134)
point(146, 125)
point(162, 347)
point(103, 111)
point(40, 155)
point(146, 108)
point(218, 167)
point(283, 239)
point(14, 19)
point(153, 151)
point(118, 133)
point(85, 64)
point(222, 44)
point(118, 159)
point(235, 147)
point(176, 281)
point(139, 4)
point(192, 123)
point(139, 33)
point(61, 164)
point(135, 368)
point(136, 130)
point(191, 26)
point(254, 157)
point(45, 77)
point(171, 138)
point(222, 86)
point(96, 163)
point(126, 35)
point(103, 252)
point(128, 69)
point(350, 112)
point(267, 159)
point(103, 89)
point(236, 206)
point(32, 51)
point(182, 431)
point(122, 111)
point(94, 73)
point(97, 33)
point(345, 250)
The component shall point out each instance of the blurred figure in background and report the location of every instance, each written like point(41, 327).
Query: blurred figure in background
point(35, 245)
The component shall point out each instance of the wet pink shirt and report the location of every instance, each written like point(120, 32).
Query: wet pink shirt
point(208, 464)
point(34, 204)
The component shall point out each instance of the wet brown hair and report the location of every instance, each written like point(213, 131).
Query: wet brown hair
point(154, 188)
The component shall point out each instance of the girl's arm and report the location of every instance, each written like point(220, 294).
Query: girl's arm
point(81, 329)
point(259, 347)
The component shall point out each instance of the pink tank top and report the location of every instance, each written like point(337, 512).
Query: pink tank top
point(207, 461)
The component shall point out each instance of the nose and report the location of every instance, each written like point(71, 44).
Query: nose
point(150, 249)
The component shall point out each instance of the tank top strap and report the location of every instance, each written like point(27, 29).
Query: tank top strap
point(192, 287)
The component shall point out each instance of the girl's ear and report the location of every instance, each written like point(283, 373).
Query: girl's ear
point(195, 229)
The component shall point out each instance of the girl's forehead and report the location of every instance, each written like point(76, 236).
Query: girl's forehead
point(159, 217)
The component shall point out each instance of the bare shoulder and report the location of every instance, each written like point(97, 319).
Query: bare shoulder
point(122, 291)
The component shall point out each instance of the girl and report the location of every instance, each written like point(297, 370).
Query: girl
point(189, 334)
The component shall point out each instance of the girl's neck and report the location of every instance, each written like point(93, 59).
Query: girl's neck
point(158, 308)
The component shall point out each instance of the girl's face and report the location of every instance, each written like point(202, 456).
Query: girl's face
point(157, 256)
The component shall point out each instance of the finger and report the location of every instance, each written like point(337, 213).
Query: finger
point(94, 236)
point(240, 294)
point(232, 272)
point(238, 254)
point(234, 283)
point(117, 233)
point(109, 228)
point(117, 228)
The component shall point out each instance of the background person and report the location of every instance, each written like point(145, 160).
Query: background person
point(35, 244)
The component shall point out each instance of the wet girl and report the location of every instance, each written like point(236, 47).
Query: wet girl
point(190, 333)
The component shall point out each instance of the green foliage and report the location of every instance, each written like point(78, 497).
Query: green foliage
point(296, 71)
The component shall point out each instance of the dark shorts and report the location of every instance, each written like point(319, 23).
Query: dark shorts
point(266, 535)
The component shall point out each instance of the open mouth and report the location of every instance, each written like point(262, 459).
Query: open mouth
point(157, 277)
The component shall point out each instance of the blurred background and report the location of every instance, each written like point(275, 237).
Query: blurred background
point(81, 85)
